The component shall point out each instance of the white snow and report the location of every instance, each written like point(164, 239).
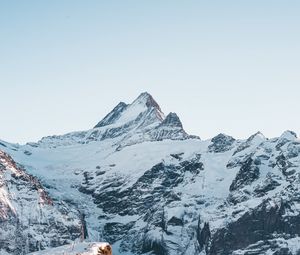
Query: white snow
point(83, 248)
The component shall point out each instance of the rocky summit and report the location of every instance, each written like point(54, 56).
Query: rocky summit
point(139, 181)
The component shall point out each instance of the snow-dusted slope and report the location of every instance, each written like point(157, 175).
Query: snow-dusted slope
point(29, 218)
point(147, 187)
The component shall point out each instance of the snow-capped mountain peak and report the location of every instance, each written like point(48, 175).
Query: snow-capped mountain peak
point(127, 124)
point(144, 106)
point(258, 136)
point(289, 135)
point(146, 99)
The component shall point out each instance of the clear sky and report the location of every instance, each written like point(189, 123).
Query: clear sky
point(222, 66)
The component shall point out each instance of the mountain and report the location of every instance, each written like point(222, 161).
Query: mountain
point(147, 187)
point(126, 124)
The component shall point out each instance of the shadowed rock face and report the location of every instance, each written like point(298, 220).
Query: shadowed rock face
point(203, 235)
point(221, 143)
point(248, 173)
point(172, 120)
point(261, 224)
point(150, 102)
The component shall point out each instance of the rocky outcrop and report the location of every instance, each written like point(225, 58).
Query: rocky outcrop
point(221, 143)
point(170, 128)
point(248, 173)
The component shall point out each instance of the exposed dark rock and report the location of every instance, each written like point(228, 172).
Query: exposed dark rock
point(114, 231)
point(156, 246)
point(170, 128)
point(203, 235)
point(28, 153)
point(174, 221)
point(284, 165)
point(293, 150)
point(248, 173)
point(172, 120)
point(2, 144)
point(100, 172)
point(270, 183)
point(253, 226)
point(146, 98)
point(177, 156)
point(146, 192)
point(221, 143)
point(193, 166)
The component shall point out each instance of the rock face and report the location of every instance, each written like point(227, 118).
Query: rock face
point(147, 187)
point(248, 173)
point(221, 143)
point(29, 218)
point(170, 128)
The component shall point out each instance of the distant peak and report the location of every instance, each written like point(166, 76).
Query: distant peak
point(172, 120)
point(143, 105)
point(147, 99)
point(221, 143)
point(289, 135)
point(221, 137)
point(257, 135)
point(143, 95)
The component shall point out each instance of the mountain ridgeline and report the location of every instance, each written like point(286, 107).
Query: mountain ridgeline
point(139, 181)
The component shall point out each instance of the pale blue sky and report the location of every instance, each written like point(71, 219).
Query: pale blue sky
point(222, 66)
